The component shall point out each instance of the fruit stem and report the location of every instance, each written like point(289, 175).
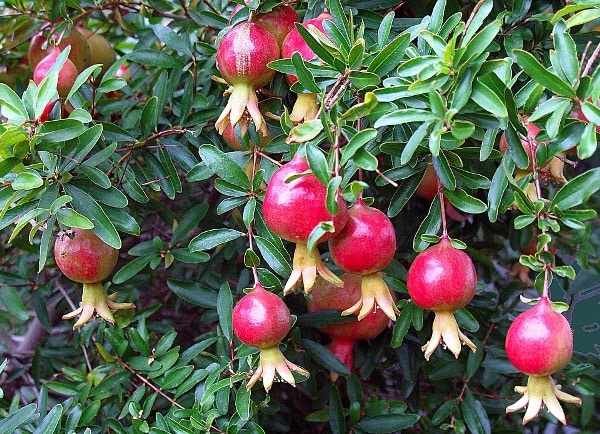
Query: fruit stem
point(440, 188)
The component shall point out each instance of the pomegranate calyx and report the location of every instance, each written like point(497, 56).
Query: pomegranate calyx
point(272, 361)
point(94, 299)
point(305, 108)
point(541, 390)
point(242, 98)
point(374, 294)
point(306, 266)
point(445, 331)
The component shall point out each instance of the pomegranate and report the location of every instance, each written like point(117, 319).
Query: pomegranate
point(578, 114)
point(428, 189)
point(242, 58)
point(443, 279)
point(306, 107)
point(552, 170)
point(101, 52)
point(539, 343)
point(292, 209)
point(84, 258)
point(365, 246)
point(262, 320)
point(230, 137)
point(79, 54)
point(279, 21)
point(66, 76)
point(326, 296)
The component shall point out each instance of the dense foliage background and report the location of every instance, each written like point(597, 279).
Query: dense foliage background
point(140, 160)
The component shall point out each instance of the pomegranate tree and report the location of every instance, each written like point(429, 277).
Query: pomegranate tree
point(428, 190)
point(242, 58)
point(306, 107)
point(262, 320)
point(294, 205)
point(344, 336)
point(443, 279)
point(365, 246)
point(66, 76)
point(539, 343)
point(84, 258)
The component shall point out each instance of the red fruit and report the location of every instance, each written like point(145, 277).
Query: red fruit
point(305, 107)
point(262, 320)
point(83, 257)
point(428, 189)
point(66, 76)
point(578, 114)
point(366, 245)
point(45, 116)
point(292, 209)
point(242, 58)
point(443, 279)
point(279, 21)
point(326, 296)
point(230, 137)
point(539, 343)
point(79, 54)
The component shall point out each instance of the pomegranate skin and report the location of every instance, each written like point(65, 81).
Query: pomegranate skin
point(367, 243)
point(279, 21)
point(261, 319)
point(294, 42)
point(293, 209)
point(243, 55)
point(66, 76)
point(442, 278)
point(539, 342)
point(330, 297)
point(83, 257)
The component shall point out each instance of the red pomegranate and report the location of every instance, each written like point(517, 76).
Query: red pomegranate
point(84, 258)
point(326, 296)
point(539, 343)
point(295, 205)
point(66, 76)
point(428, 189)
point(279, 21)
point(262, 320)
point(365, 246)
point(443, 279)
point(242, 58)
point(306, 107)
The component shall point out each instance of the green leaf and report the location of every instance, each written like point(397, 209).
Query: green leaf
point(430, 225)
point(588, 144)
point(487, 99)
point(475, 415)
point(12, 107)
point(465, 202)
point(18, 418)
point(390, 56)
point(478, 17)
point(305, 131)
point(224, 310)
point(71, 218)
point(365, 160)
point(565, 53)
point(277, 259)
point(324, 357)
point(87, 206)
point(541, 75)
point(212, 238)
point(361, 109)
point(193, 293)
point(28, 180)
point(242, 403)
point(224, 166)
point(564, 271)
point(188, 222)
point(95, 175)
point(147, 56)
point(172, 40)
point(402, 325)
point(358, 141)
point(403, 116)
point(482, 40)
point(318, 163)
point(61, 130)
point(317, 234)
point(337, 422)
point(149, 118)
point(577, 190)
point(304, 76)
point(387, 423)
point(133, 267)
point(13, 304)
point(413, 142)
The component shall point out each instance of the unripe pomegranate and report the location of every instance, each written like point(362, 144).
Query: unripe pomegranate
point(326, 296)
point(101, 52)
point(306, 107)
point(365, 246)
point(79, 54)
point(242, 58)
point(84, 258)
point(539, 343)
point(443, 279)
point(428, 189)
point(292, 208)
point(66, 76)
point(262, 320)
